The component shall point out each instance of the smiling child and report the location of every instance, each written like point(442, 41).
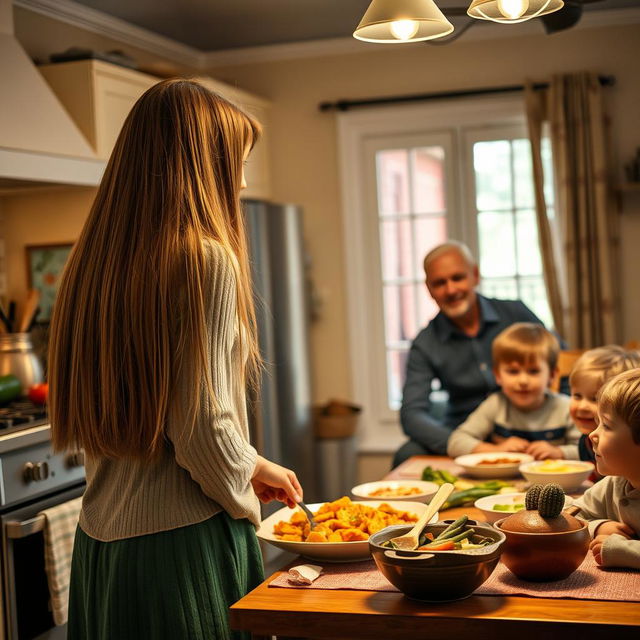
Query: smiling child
point(612, 506)
point(589, 373)
point(524, 416)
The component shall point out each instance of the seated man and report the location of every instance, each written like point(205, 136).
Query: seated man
point(455, 348)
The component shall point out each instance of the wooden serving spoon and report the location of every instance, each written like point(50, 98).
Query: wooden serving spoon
point(410, 541)
point(29, 309)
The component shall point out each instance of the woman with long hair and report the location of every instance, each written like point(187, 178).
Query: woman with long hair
point(152, 345)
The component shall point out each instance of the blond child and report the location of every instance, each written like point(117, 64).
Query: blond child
point(589, 373)
point(612, 506)
point(524, 416)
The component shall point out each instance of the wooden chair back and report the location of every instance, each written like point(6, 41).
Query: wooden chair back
point(566, 360)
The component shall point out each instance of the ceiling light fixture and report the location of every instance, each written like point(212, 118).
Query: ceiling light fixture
point(396, 21)
point(512, 11)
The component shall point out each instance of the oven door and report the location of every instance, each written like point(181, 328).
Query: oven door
point(26, 609)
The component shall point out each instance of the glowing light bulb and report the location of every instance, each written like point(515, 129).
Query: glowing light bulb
point(405, 29)
point(513, 9)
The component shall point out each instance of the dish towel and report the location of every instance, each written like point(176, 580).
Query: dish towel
point(60, 524)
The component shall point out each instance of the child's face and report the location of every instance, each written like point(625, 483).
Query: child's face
point(524, 384)
point(583, 407)
point(616, 452)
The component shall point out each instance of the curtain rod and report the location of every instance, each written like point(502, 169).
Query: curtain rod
point(345, 105)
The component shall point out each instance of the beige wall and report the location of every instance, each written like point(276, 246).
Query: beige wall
point(45, 217)
point(304, 144)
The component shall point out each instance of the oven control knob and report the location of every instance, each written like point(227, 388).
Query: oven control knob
point(75, 459)
point(36, 472)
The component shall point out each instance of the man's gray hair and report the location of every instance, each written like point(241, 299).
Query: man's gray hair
point(450, 245)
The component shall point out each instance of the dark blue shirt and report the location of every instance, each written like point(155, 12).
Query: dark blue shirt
point(461, 363)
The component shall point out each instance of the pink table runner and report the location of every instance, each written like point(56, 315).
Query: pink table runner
point(588, 582)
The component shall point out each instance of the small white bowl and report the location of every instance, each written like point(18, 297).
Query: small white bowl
point(396, 487)
point(491, 515)
point(471, 464)
point(569, 474)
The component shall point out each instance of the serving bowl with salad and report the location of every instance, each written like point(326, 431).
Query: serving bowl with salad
point(454, 559)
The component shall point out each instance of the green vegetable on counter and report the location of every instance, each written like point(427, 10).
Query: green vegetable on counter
point(439, 476)
point(10, 388)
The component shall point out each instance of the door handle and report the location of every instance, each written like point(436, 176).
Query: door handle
point(16, 530)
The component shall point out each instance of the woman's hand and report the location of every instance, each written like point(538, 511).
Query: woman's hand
point(272, 482)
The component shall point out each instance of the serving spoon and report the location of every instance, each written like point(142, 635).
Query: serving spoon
point(410, 541)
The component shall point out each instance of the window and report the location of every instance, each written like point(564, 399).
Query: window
point(502, 202)
point(414, 177)
point(412, 215)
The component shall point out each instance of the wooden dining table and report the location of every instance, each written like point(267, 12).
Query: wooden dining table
point(368, 615)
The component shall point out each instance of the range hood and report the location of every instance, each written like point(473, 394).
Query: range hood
point(39, 142)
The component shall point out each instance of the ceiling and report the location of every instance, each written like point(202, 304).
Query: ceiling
point(214, 25)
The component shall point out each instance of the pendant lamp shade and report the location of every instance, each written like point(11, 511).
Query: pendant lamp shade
point(396, 21)
point(511, 11)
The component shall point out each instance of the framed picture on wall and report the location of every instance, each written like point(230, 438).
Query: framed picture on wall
point(45, 263)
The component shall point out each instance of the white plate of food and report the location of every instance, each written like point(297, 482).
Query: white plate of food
point(492, 464)
point(337, 551)
point(405, 490)
point(569, 474)
point(499, 506)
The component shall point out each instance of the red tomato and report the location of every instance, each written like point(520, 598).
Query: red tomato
point(38, 393)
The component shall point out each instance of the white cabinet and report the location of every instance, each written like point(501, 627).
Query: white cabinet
point(99, 95)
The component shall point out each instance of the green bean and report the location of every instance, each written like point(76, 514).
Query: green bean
point(462, 520)
point(460, 536)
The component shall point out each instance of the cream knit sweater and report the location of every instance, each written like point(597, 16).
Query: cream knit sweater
point(198, 474)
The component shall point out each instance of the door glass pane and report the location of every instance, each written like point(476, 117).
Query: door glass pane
point(396, 368)
point(529, 262)
point(393, 181)
point(399, 312)
point(396, 247)
point(492, 165)
point(506, 288)
point(428, 233)
point(496, 244)
point(523, 174)
point(428, 180)
point(533, 293)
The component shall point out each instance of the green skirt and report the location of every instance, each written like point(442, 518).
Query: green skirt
point(171, 585)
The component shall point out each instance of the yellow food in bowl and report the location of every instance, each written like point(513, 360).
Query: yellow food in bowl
point(341, 521)
point(556, 466)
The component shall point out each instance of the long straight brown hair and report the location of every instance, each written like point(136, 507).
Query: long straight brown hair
point(129, 319)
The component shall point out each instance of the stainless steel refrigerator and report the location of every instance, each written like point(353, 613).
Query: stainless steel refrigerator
point(281, 421)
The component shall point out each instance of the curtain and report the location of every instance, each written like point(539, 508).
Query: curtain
point(580, 253)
